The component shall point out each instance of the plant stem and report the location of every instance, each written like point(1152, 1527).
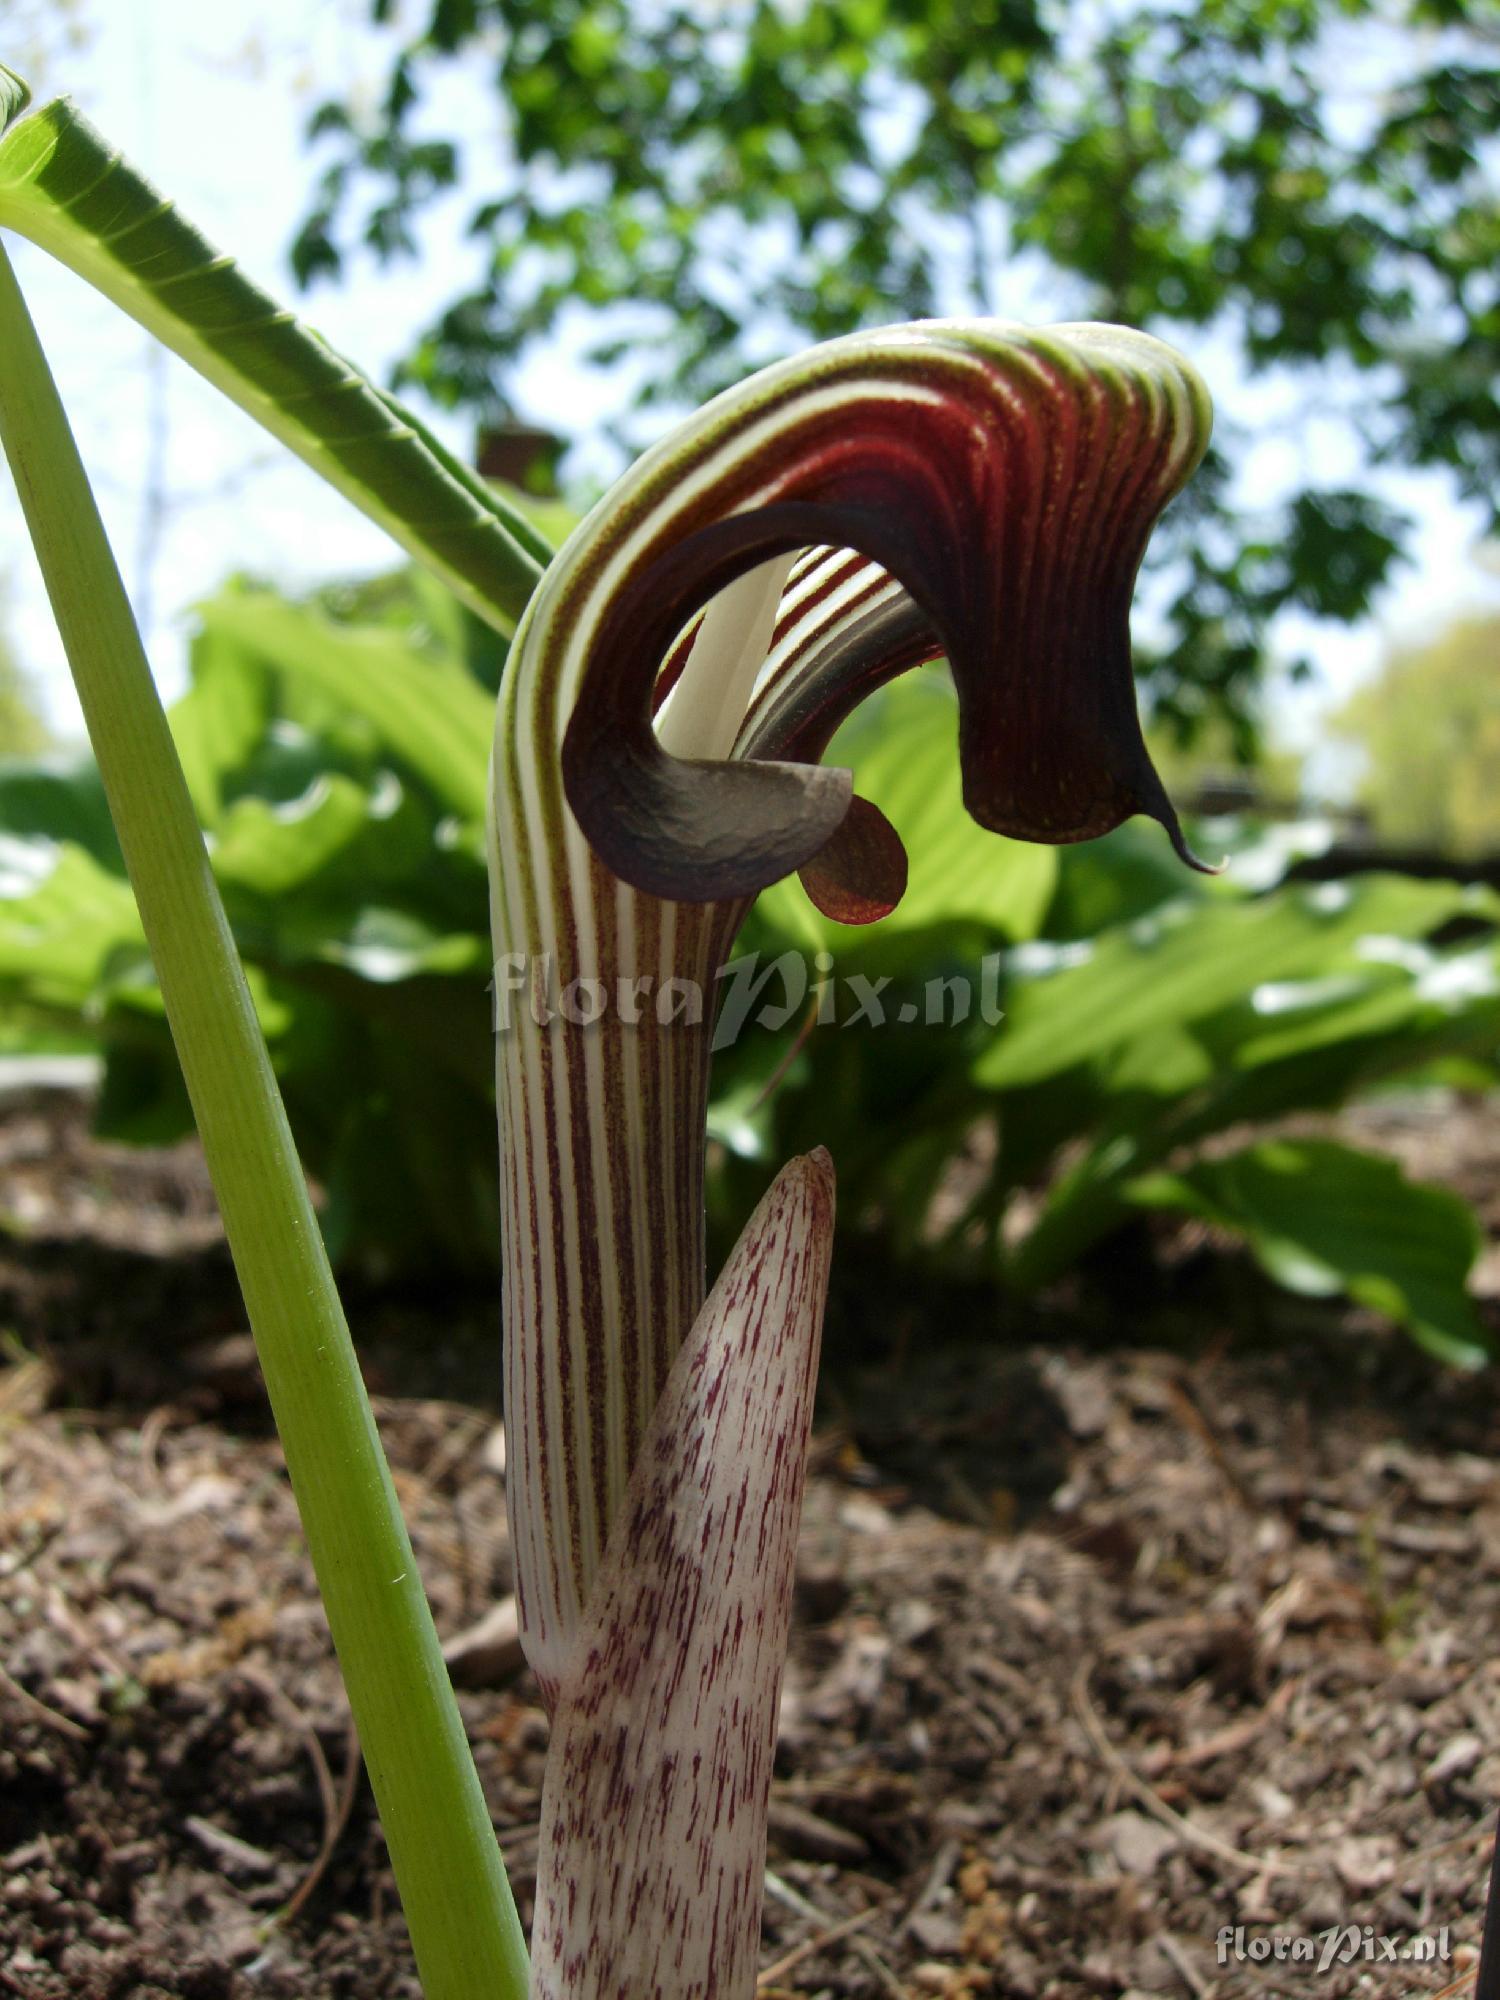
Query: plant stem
point(458, 1904)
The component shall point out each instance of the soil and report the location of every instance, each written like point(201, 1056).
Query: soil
point(1106, 1650)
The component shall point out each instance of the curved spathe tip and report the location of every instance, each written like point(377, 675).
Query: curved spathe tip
point(1184, 853)
point(1007, 478)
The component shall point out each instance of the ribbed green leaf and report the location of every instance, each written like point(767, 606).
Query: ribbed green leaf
point(378, 941)
point(430, 716)
point(61, 917)
point(273, 849)
point(221, 719)
point(1189, 959)
point(63, 186)
point(58, 796)
point(1284, 1047)
point(1323, 1218)
point(1398, 986)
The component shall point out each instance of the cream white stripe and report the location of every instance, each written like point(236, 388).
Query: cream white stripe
point(732, 459)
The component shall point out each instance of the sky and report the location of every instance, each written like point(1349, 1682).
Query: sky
point(211, 102)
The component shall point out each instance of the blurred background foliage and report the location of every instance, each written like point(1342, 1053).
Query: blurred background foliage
point(1301, 194)
point(21, 726)
point(1428, 732)
point(1154, 1021)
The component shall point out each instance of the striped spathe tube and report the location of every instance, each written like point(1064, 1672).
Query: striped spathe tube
point(972, 490)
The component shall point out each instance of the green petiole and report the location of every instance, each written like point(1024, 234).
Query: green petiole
point(464, 1928)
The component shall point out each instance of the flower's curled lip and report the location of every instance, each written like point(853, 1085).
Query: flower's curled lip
point(1007, 480)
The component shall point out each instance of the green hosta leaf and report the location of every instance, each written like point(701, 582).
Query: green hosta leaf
point(1190, 959)
point(62, 185)
point(58, 796)
point(1323, 1218)
point(382, 945)
point(423, 612)
point(1166, 1062)
point(275, 848)
point(62, 918)
point(409, 1176)
point(221, 719)
point(1117, 879)
point(430, 717)
point(1399, 984)
point(358, 901)
point(342, 839)
point(1132, 871)
point(901, 747)
point(1288, 1046)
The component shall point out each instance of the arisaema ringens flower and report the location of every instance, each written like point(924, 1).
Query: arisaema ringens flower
point(971, 490)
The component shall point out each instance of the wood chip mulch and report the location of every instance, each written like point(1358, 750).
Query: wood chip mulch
point(1199, 1646)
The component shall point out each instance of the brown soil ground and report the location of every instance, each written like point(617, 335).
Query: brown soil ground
point(1100, 1649)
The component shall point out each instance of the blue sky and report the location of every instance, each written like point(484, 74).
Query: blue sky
point(211, 102)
